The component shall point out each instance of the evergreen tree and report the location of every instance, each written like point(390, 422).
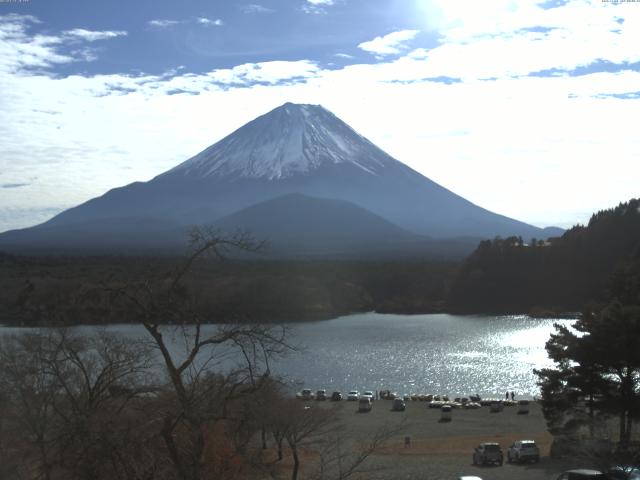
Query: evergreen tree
point(597, 371)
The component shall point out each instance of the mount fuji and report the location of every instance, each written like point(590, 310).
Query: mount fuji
point(295, 154)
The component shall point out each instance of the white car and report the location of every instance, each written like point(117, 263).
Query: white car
point(523, 451)
point(353, 395)
point(368, 394)
point(305, 394)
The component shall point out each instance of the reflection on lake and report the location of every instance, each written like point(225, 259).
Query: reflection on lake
point(451, 354)
point(445, 354)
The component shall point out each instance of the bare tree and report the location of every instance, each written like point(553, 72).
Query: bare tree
point(342, 457)
point(28, 408)
point(334, 453)
point(68, 402)
point(303, 427)
point(238, 352)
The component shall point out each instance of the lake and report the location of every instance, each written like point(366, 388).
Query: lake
point(437, 353)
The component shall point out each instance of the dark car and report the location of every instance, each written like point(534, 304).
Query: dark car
point(398, 405)
point(336, 396)
point(488, 452)
point(624, 472)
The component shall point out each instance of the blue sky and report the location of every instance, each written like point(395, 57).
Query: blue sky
point(528, 108)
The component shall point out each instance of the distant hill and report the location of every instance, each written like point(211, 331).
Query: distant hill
point(302, 149)
point(579, 267)
point(304, 226)
point(301, 224)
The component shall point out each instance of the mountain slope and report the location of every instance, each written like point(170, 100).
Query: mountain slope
point(303, 224)
point(292, 149)
point(105, 235)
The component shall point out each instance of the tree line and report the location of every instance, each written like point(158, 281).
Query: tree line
point(53, 290)
point(527, 275)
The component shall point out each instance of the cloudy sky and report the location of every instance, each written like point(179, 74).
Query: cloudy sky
point(528, 108)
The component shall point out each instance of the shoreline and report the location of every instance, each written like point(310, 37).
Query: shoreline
point(311, 319)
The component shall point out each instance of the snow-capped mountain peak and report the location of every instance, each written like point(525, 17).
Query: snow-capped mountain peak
point(290, 140)
point(301, 150)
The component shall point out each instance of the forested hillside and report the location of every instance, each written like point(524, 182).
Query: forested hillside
point(517, 275)
point(62, 290)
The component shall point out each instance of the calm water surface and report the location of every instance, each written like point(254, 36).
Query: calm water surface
point(457, 355)
point(439, 354)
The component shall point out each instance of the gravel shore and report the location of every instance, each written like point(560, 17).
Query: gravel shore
point(443, 450)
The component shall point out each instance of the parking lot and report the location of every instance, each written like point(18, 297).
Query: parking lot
point(443, 450)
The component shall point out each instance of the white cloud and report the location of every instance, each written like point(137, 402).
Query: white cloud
point(317, 6)
point(92, 36)
point(255, 8)
point(548, 150)
point(343, 55)
point(19, 51)
point(161, 23)
point(209, 22)
point(265, 72)
point(391, 44)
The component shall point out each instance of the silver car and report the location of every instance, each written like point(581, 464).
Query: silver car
point(353, 395)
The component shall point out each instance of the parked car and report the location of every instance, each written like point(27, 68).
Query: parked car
point(582, 474)
point(445, 413)
point(488, 452)
point(368, 394)
point(523, 451)
point(624, 472)
point(306, 394)
point(398, 405)
point(523, 407)
point(364, 404)
point(321, 395)
point(336, 396)
point(353, 395)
